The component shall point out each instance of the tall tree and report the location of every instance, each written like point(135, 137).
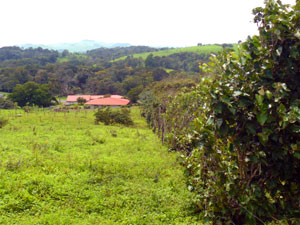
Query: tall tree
point(32, 93)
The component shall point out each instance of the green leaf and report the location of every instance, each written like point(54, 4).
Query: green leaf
point(225, 100)
point(269, 94)
point(219, 108)
point(223, 129)
point(219, 122)
point(297, 34)
point(281, 108)
point(237, 93)
point(295, 128)
point(262, 118)
point(279, 51)
point(251, 128)
point(261, 92)
point(259, 99)
point(297, 155)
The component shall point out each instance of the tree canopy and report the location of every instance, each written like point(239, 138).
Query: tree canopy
point(32, 93)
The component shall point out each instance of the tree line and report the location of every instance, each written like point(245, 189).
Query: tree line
point(93, 73)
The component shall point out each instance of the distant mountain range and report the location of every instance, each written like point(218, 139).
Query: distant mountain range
point(81, 46)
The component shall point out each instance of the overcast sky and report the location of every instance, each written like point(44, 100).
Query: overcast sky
point(138, 22)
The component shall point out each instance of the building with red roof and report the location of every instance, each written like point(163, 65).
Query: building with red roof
point(110, 101)
point(99, 100)
point(72, 99)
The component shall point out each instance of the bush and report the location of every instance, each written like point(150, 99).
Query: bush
point(242, 150)
point(81, 100)
point(3, 122)
point(244, 158)
point(6, 104)
point(107, 116)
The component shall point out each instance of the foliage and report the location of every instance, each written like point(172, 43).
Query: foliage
point(108, 116)
point(243, 156)
point(133, 93)
point(38, 55)
point(185, 61)
point(3, 122)
point(32, 93)
point(155, 99)
point(81, 101)
point(6, 104)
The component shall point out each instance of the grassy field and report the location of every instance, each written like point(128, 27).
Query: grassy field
point(207, 49)
point(61, 168)
point(4, 93)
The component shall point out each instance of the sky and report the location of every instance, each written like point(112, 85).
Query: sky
point(172, 23)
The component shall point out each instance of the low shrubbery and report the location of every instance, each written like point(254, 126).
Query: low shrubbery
point(3, 122)
point(108, 116)
point(6, 104)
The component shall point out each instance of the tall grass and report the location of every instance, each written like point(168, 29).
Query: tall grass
point(61, 168)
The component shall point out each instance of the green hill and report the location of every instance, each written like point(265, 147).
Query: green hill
point(205, 49)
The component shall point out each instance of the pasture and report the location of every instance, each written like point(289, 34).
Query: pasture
point(61, 168)
point(206, 49)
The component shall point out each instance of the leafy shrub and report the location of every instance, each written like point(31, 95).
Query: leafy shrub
point(6, 104)
point(244, 146)
point(3, 122)
point(242, 149)
point(81, 101)
point(107, 116)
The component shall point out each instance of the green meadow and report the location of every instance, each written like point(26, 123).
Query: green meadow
point(62, 168)
point(206, 49)
point(4, 93)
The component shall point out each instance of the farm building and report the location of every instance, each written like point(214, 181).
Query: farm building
point(72, 99)
point(114, 102)
point(99, 100)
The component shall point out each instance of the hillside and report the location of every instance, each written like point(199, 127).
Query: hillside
point(205, 49)
point(118, 52)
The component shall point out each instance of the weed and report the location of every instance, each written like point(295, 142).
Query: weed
point(3, 122)
point(113, 133)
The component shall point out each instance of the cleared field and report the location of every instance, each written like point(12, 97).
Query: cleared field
point(61, 168)
point(207, 49)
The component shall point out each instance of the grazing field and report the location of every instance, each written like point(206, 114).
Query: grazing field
point(3, 93)
point(206, 49)
point(61, 168)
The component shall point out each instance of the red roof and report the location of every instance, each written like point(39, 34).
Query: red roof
point(73, 98)
point(96, 96)
point(116, 96)
point(108, 101)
